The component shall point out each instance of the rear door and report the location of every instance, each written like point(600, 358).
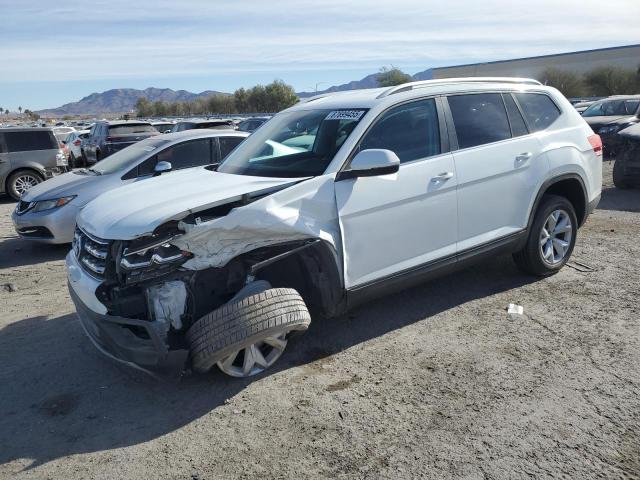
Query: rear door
point(499, 164)
point(36, 149)
point(393, 223)
point(5, 165)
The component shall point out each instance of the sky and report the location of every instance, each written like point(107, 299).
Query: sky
point(54, 52)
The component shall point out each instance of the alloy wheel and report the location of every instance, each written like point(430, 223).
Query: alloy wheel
point(555, 237)
point(256, 357)
point(24, 183)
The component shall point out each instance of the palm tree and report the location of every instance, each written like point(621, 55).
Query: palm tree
point(20, 110)
point(6, 111)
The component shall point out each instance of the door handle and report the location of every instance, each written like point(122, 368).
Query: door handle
point(442, 177)
point(523, 157)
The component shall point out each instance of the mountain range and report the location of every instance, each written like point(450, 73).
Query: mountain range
point(123, 100)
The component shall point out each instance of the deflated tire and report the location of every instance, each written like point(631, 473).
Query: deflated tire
point(247, 336)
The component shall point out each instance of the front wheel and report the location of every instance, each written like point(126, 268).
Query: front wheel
point(245, 337)
point(21, 181)
point(551, 238)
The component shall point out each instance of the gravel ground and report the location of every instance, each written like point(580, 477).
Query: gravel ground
point(435, 382)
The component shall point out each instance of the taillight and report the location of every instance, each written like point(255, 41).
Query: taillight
point(596, 144)
point(77, 143)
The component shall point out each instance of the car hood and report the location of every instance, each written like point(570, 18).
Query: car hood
point(597, 122)
point(137, 209)
point(632, 132)
point(70, 183)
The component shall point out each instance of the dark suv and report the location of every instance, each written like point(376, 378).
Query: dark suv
point(106, 138)
point(27, 157)
point(607, 117)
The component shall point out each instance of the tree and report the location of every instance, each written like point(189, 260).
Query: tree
point(6, 111)
point(569, 83)
point(605, 81)
point(20, 110)
point(392, 76)
point(143, 107)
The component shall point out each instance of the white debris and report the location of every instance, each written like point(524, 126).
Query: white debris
point(168, 302)
point(515, 309)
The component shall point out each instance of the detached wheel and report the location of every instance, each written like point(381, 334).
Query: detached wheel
point(247, 336)
point(551, 238)
point(618, 176)
point(21, 181)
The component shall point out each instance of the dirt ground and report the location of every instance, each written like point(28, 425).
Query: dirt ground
point(435, 382)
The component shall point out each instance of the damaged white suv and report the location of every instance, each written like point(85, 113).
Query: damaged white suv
point(339, 199)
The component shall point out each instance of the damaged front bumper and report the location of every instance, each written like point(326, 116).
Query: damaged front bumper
point(135, 343)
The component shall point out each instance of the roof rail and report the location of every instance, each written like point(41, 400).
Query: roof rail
point(405, 87)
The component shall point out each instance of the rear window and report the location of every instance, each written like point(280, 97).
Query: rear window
point(131, 129)
point(539, 110)
point(27, 141)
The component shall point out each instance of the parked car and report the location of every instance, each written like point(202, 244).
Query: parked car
point(106, 138)
point(222, 267)
point(163, 127)
point(62, 132)
point(252, 124)
point(47, 213)
point(582, 106)
point(195, 124)
point(27, 157)
point(626, 169)
point(74, 142)
point(607, 117)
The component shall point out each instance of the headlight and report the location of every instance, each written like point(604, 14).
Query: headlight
point(51, 204)
point(154, 261)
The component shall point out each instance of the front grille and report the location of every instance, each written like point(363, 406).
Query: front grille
point(92, 253)
point(24, 207)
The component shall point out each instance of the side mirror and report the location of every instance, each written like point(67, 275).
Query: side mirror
point(162, 167)
point(371, 163)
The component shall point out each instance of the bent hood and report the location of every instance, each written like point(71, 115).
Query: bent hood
point(137, 209)
point(70, 183)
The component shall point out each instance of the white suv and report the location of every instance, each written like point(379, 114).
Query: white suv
point(339, 199)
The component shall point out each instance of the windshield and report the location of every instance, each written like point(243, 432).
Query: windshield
point(129, 129)
point(293, 144)
point(612, 108)
point(128, 156)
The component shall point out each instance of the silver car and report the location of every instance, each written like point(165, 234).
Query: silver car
point(47, 212)
point(27, 157)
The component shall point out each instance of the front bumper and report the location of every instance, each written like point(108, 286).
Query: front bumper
point(51, 226)
point(131, 342)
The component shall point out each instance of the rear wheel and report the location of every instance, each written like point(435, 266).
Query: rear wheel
point(618, 176)
point(247, 336)
point(551, 238)
point(21, 181)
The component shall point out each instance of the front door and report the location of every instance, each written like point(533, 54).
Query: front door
point(395, 222)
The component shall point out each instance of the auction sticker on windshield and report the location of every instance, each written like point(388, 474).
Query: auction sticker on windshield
point(345, 115)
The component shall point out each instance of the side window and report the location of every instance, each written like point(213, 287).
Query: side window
point(539, 110)
point(631, 106)
point(26, 141)
point(146, 167)
point(410, 130)
point(518, 127)
point(479, 118)
point(188, 154)
point(227, 144)
point(3, 148)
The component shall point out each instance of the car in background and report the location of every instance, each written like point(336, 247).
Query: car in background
point(62, 132)
point(48, 212)
point(611, 115)
point(108, 137)
point(162, 127)
point(74, 143)
point(626, 169)
point(252, 124)
point(582, 106)
point(196, 124)
point(27, 157)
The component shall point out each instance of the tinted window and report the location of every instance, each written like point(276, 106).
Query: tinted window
point(229, 143)
point(188, 154)
point(539, 110)
point(518, 127)
point(130, 129)
point(25, 141)
point(410, 130)
point(2, 146)
point(479, 118)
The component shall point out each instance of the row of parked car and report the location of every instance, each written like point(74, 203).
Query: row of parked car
point(30, 155)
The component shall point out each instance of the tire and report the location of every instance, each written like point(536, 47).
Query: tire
point(531, 259)
point(618, 176)
point(18, 180)
point(259, 323)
